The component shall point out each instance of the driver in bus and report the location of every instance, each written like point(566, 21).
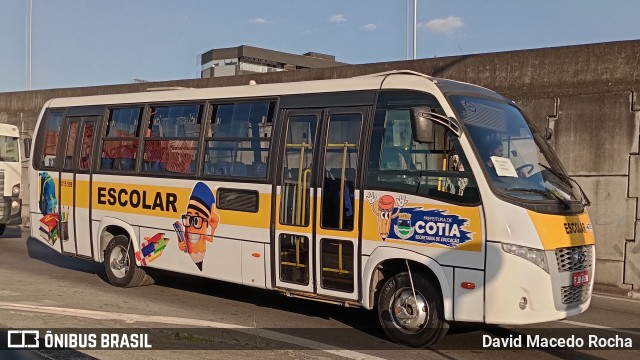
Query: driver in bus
point(497, 149)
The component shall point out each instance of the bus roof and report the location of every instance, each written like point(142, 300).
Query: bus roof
point(366, 82)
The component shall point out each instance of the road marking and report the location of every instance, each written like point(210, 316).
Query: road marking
point(8, 293)
point(616, 298)
point(593, 326)
point(130, 318)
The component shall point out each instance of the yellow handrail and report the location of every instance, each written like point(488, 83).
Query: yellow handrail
point(344, 165)
point(344, 146)
point(305, 177)
point(340, 269)
point(444, 168)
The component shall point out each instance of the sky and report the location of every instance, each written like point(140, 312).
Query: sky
point(101, 42)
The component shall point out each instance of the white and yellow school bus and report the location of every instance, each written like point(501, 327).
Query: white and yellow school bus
point(10, 176)
point(429, 200)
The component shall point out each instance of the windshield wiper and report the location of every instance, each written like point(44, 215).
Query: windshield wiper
point(560, 199)
point(568, 180)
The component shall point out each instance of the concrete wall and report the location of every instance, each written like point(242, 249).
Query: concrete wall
point(586, 94)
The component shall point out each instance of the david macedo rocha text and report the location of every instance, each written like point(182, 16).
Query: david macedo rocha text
point(570, 342)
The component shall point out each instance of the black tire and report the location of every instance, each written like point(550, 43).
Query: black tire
point(120, 264)
point(396, 307)
point(2, 228)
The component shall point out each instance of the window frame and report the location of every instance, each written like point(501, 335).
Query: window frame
point(144, 127)
point(272, 115)
point(374, 156)
point(363, 112)
point(41, 139)
point(103, 137)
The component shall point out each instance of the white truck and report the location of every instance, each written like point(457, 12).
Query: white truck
point(10, 176)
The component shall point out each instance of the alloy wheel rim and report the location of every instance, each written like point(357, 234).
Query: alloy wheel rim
point(410, 314)
point(119, 262)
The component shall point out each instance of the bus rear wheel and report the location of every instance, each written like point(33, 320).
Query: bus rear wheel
point(417, 320)
point(120, 264)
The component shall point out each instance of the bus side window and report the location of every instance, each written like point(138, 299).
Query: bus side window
point(436, 168)
point(47, 143)
point(120, 143)
point(341, 161)
point(237, 140)
point(171, 141)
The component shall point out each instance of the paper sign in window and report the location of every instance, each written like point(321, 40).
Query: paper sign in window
point(503, 166)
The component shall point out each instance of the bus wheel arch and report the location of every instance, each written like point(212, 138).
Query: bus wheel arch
point(112, 227)
point(415, 320)
point(118, 248)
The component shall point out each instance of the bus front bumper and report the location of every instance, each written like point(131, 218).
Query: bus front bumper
point(518, 292)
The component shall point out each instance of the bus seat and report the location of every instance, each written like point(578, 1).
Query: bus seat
point(106, 163)
point(293, 174)
point(152, 166)
point(258, 170)
point(219, 168)
point(207, 169)
point(349, 174)
point(125, 163)
point(68, 162)
point(238, 169)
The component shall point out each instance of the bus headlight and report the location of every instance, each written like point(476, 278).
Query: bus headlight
point(15, 191)
point(534, 256)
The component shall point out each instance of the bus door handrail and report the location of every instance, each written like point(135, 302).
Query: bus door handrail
point(345, 146)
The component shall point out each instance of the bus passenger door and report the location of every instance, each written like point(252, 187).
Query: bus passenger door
point(295, 202)
point(75, 187)
point(316, 237)
point(336, 248)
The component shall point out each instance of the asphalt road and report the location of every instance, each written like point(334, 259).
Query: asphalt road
point(40, 289)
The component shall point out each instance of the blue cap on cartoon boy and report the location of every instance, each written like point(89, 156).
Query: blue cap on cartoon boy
point(202, 199)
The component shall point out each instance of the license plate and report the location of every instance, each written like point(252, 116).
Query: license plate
point(580, 278)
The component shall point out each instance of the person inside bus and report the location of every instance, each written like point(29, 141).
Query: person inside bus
point(455, 165)
point(393, 159)
point(495, 148)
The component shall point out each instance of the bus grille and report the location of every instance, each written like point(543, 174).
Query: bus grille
point(573, 294)
point(574, 258)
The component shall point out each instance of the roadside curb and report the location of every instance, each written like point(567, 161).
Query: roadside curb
point(616, 291)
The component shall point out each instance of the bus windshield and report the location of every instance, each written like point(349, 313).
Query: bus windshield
point(9, 149)
point(518, 161)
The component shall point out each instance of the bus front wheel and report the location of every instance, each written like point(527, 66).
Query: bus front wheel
point(120, 264)
point(415, 320)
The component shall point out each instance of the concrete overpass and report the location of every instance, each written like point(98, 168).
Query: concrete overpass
point(587, 95)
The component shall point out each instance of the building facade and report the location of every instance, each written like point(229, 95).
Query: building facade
point(248, 60)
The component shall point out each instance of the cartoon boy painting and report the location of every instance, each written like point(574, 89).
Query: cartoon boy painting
point(383, 209)
point(200, 215)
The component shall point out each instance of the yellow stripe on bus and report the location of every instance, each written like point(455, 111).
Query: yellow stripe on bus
point(157, 201)
point(558, 231)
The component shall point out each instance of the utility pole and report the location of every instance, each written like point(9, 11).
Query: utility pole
point(415, 23)
point(406, 14)
point(29, 28)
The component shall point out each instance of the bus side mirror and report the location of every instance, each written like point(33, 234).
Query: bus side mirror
point(422, 127)
point(26, 145)
point(423, 120)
